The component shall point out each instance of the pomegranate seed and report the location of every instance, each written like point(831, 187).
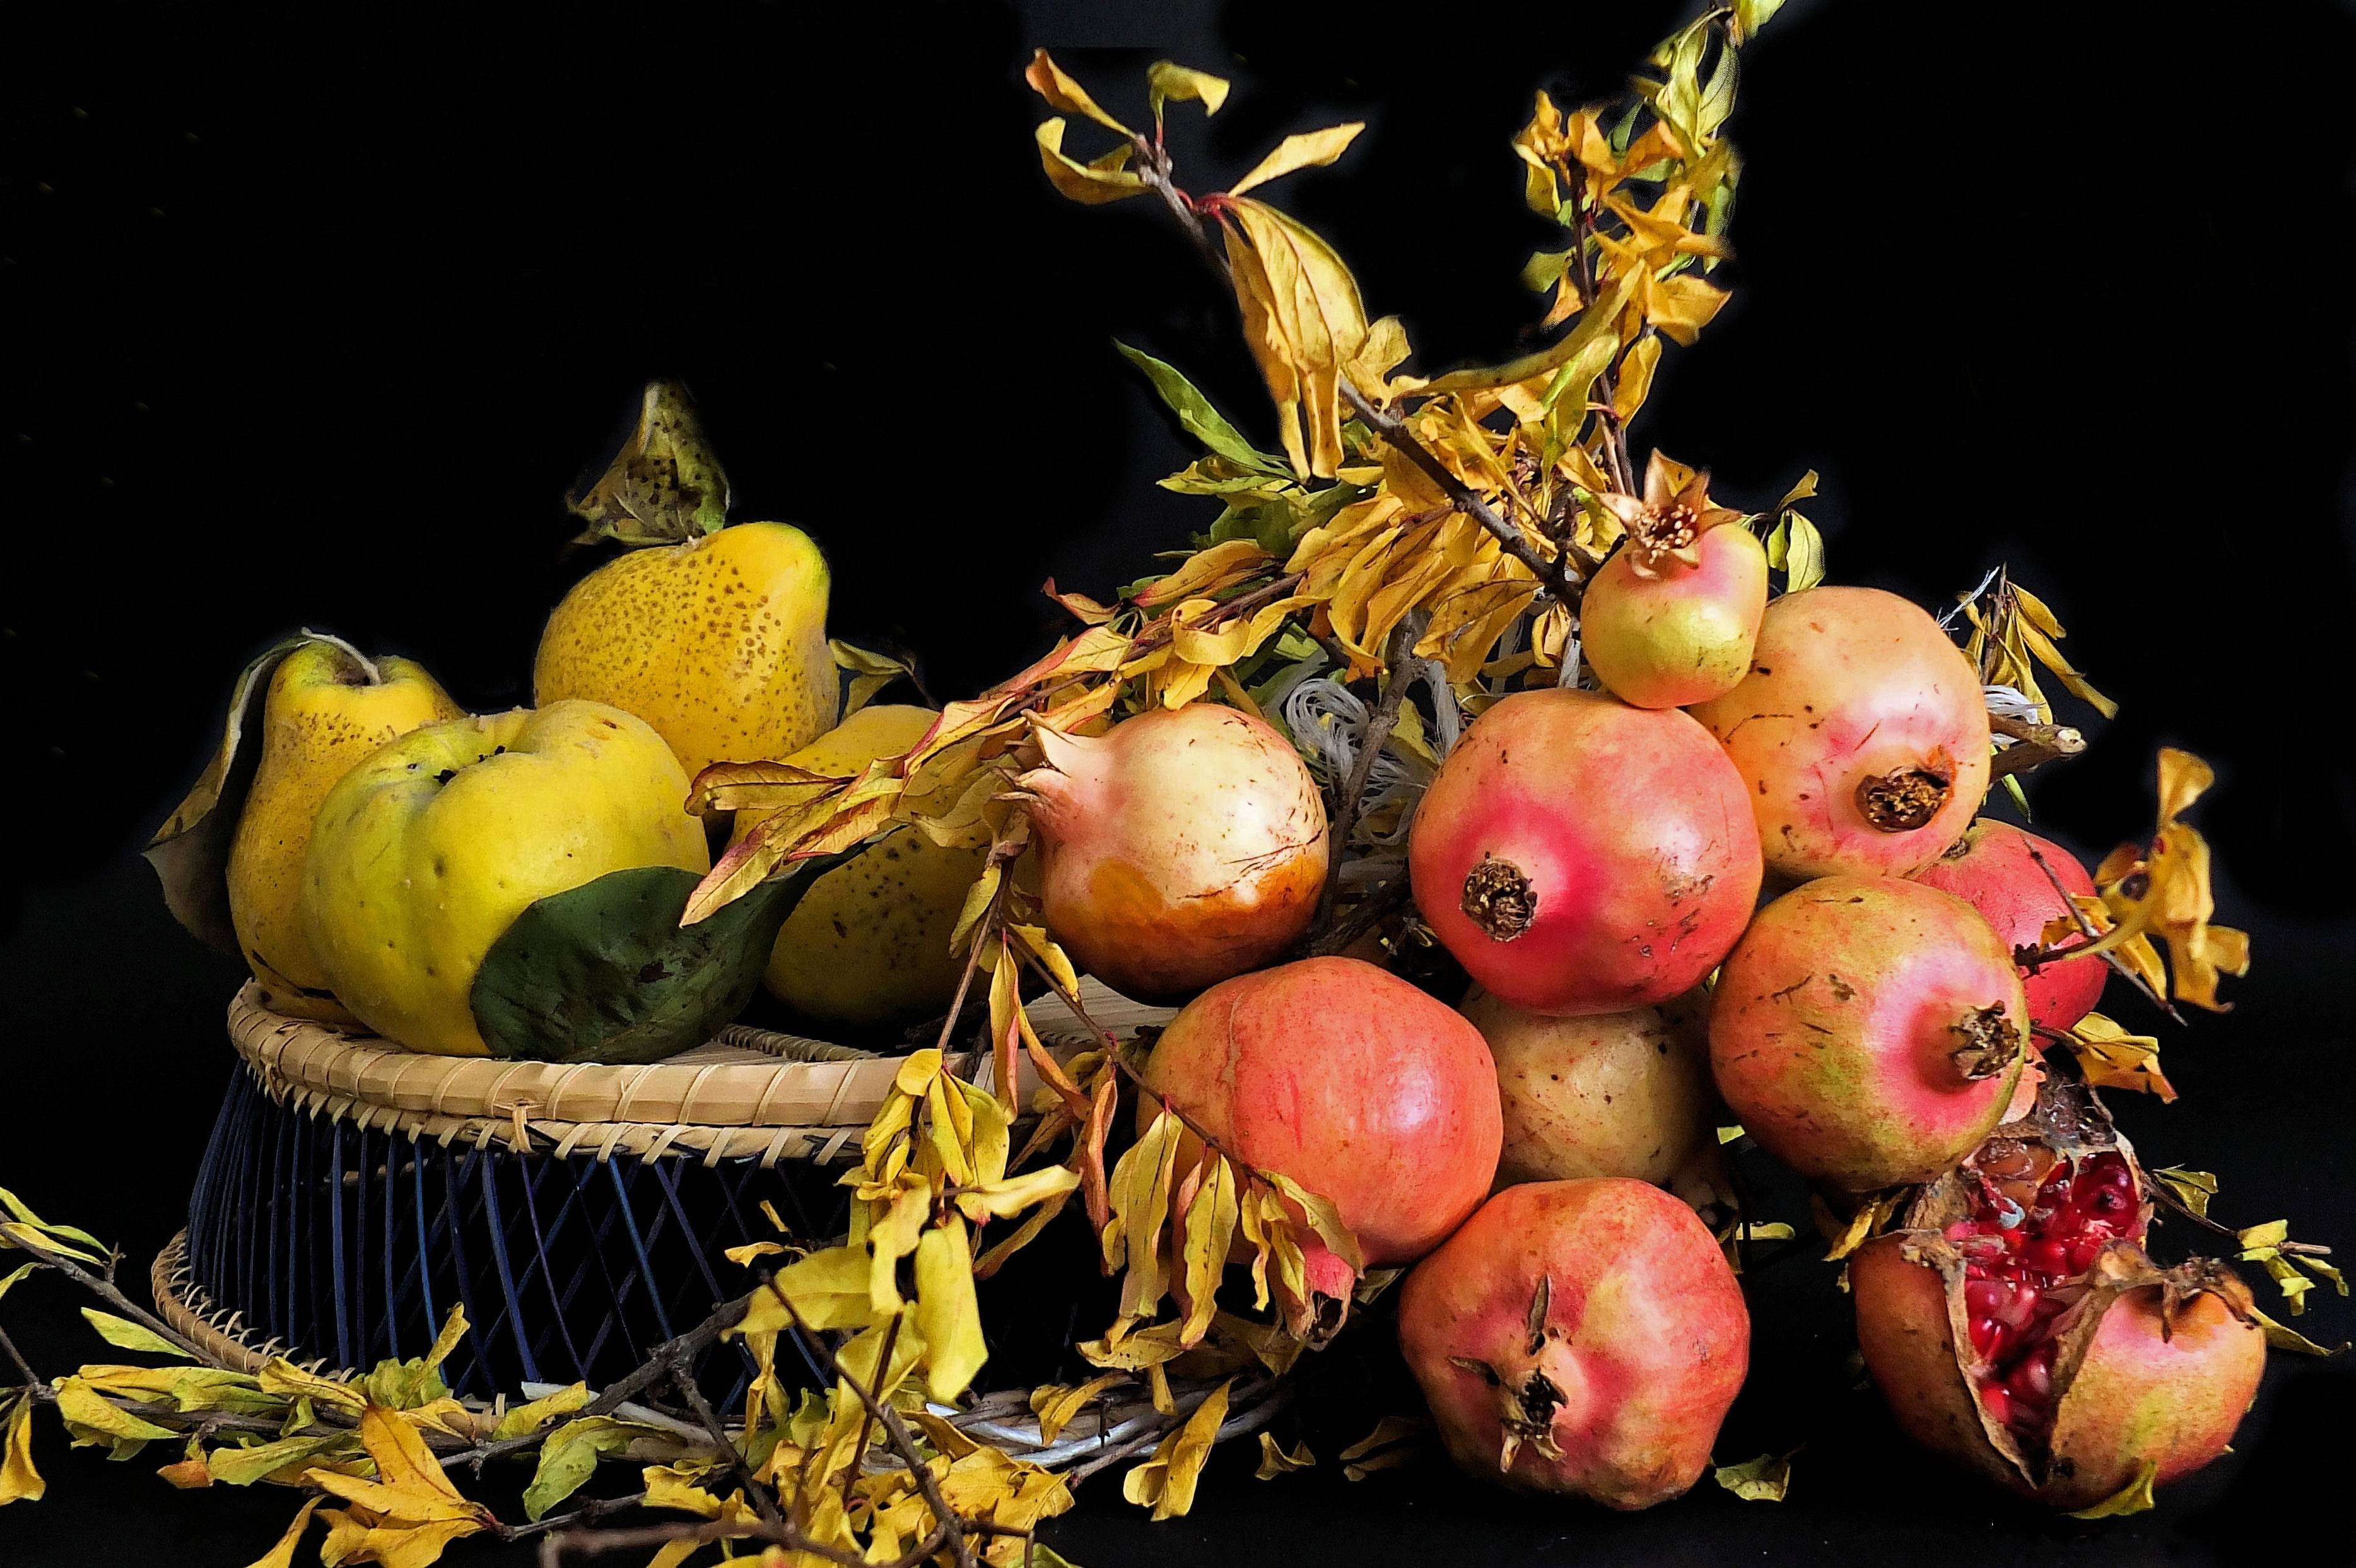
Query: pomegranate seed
point(2110, 1199)
point(2046, 1255)
point(1985, 1297)
point(2016, 1309)
point(1999, 1404)
point(2031, 1383)
point(1985, 1332)
point(2086, 1250)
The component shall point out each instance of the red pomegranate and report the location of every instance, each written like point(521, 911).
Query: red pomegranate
point(1351, 1082)
point(1661, 632)
point(1995, 868)
point(1861, 734)
point(1577, 854)
point(2016, 1324)
point(1868, 1032)
point(1184, 846)
point(1583, 1336)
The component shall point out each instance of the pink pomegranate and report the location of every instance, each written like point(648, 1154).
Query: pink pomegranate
point(1577, 854)
point(1184, 846)
point(1868, 1032)
point(2016, 1324)
point(1861, 733)
point(1609, 1095)
point(1995, 868)
point(1363, 1089)
point(1581, 1337)
point(1661, 632)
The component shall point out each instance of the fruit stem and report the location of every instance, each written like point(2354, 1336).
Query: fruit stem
point(368, 665)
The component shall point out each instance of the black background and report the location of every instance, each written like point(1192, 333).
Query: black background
point(313, 321)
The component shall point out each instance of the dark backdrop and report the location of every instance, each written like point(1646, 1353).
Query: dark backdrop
point(312, 322)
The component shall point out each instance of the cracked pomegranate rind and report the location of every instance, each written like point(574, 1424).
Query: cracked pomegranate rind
point(2017, 1324)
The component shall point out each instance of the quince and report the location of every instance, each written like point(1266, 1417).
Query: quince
point(425, 852)
point(869, 944)
point(328, 707)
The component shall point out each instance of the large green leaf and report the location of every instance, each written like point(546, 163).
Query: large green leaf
point(1194, 413)
point(606, 973)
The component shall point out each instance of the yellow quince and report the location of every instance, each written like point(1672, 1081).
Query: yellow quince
point(869, 944)
point(329, 706)
point(425, 852)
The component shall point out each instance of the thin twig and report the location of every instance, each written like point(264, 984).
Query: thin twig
point(1554, 575)
point(709, 1419)
point(952, 1527)
point(2043, 955)
point(1364, 915)
point(106, 1291)
point(33, 1383)
point(2033, 744)
point(867, 1420)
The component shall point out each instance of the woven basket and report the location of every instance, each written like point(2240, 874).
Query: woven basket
point(354, 1191)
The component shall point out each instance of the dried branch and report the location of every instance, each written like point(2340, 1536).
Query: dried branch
point(1397, 656)
point(2042, 954)
point(105, 1289)
point(2033, 744)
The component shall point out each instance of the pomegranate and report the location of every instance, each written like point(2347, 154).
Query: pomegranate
point(1861, 732)
point(1661, 632)
point(2016, 1325)
point(1365, 1091)
point(1868, 1032)
point(1993, 868)
point(1581, 1337)
point(1184, 846)
point(1611, 1094)
point(1577, 854)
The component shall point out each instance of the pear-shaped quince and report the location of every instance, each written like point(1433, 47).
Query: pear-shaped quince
point(869, 944)
point(425, 852)
point(328, 707)
point(719, 644)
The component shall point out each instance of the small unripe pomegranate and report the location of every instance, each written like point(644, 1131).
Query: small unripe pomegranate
point(1995, 868)
point(1184, 846)
point(2016, 1324)
point(1663, 633)
point(1577, 854)
point(1868, 1032)
point(1608, 1095)
point(1581, 1337)
point(1861, 734)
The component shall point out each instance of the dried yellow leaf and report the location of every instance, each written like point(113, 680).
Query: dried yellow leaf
point(19, 1482)
point(1166, 1482)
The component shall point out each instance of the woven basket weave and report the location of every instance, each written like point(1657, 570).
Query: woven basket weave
point(354, 1191)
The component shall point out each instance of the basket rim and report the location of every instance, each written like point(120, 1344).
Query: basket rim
point(736, 1097)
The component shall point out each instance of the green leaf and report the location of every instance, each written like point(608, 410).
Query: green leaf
point(1194, 413)
point(125, 1335)
point(605, 972)
point(8, 1280)
point(663, 486)
point(190, 851)
point(569, 1458)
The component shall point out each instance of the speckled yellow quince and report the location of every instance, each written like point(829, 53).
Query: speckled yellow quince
point(869, 944)
point(327, 708)
point(425, 852)
point(719, 644)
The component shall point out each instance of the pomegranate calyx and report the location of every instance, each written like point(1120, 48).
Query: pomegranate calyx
point(1990, 1043)
point(1904, 799)
point(1499, 898)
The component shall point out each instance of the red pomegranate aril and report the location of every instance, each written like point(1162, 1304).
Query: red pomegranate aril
point(2031, 1380)
point(2046, 1255)
point(2087, 1249)
point(1985, 1296)
point(1985, 1332)
point(1999, 1402)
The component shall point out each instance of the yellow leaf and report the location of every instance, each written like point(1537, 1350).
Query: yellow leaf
point(85, 1408)
point(569, 1458)
point(828, 1289)
point(284, 1379)
point(1274, 1461)
point(2281, 1336)
point(1308, 149)
point(1166, 1482)
point(2134, 1497)
point(402, 1459)
point(947, 1315)
point(1210, 1230)
point(19, 1482)
point(1049, 81)
point(282, 1554)
point(125, 1335)
point(352, 1540)
point(1394, 1441)
point(1143, 1350)
point(1056, 1406)
point(1092, 183)
point(1166, 81)
point(1636, 379)
point(1141, 1200)
point(889, 1239)
point(1303, 321)
point(752, 1252)
point(532, 1417)
point(1765, 1479)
